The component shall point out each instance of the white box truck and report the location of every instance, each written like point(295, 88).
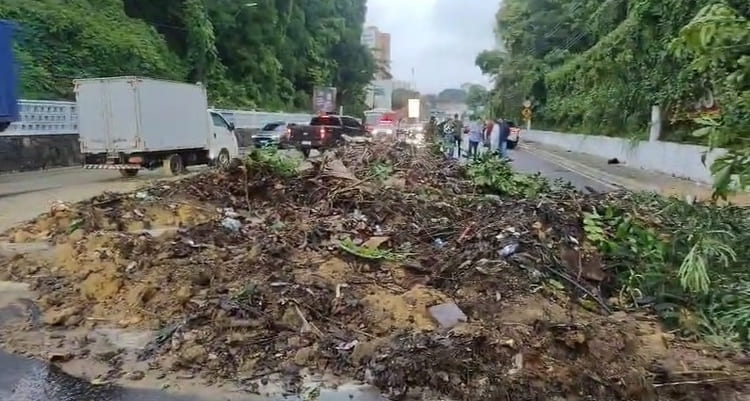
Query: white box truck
point(132, 123)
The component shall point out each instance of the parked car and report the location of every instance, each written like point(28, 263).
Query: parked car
point(324, 132)
point(131, 123)
point(381, 123)
point(272, 134)
point(515, 135)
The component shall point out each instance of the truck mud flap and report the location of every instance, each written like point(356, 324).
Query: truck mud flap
point(112, 166)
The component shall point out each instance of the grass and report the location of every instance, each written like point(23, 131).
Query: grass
point(494, 174)
point(269, 159)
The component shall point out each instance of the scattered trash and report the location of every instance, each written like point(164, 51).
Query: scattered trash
point(447, 315)
point(231, 224)
point(135, 375)
point(517, 364)
point(326, 271)
point(509, 250)
point(142, 195)
point(347, 346)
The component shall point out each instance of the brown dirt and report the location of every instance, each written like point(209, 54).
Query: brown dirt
point(280, 294)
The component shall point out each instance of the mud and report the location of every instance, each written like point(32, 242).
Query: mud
point(253, 277)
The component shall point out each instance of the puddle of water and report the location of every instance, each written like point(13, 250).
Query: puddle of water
point(23, 379)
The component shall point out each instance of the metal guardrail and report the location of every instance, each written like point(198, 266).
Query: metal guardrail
point(257, 119)
point(45, 117)
point(48, 117)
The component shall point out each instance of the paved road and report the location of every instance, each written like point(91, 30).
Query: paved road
point(23, 196)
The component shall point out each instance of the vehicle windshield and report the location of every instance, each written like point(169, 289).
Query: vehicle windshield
point(271, 126)
point(373, 118)
point(325, 120)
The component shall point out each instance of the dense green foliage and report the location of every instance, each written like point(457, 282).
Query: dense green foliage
point(477, 98)
point(597, 66)
point(269, 55)
point(717, 45)
point(494, 174)
point(687, 262)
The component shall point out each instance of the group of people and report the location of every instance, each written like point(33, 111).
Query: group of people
point(491, 133)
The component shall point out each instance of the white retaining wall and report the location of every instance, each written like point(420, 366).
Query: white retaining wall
point(679, 160)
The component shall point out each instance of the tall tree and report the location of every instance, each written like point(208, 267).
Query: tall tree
point(269, 55)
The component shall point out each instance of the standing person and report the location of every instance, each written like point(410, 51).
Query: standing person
point(476, 135)
point(447, 129)
point(459, 128)
point(431, 129)
point(504, 135)
point(494, 135)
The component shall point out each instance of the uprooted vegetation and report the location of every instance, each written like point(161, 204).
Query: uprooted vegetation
point(384, 263)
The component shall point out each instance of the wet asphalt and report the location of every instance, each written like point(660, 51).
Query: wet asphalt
point(23, 379)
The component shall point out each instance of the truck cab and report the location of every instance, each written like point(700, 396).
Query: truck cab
point(222, 142)
point(8, 78)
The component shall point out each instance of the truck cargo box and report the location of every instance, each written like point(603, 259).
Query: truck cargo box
point(132, 115)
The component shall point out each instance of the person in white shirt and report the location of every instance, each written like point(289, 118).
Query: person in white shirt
point(494, 135)
point(476, 136)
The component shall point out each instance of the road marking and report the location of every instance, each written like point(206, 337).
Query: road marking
point(570, 166)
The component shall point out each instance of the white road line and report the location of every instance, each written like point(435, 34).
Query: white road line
point(577, 171)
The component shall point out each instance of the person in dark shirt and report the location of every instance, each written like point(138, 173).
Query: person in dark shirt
point(459, 128)
point(504, 135)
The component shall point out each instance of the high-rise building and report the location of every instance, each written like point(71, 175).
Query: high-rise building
point(379, 44)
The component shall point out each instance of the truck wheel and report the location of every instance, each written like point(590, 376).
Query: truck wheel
point(4, 125)
point(223, 161)
point(173, 165)
point(129, 173)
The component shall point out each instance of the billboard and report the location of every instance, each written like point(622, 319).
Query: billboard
point(414, 108)
point(324, 99)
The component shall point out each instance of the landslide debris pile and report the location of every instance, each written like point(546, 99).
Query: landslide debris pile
point(379, 262)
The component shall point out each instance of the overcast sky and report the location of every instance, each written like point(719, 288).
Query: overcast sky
point(438, 38)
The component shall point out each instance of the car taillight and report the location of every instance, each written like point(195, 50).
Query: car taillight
point(322, 133)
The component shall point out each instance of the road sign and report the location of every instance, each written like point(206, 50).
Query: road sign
point(526, 113)
point(324, 100)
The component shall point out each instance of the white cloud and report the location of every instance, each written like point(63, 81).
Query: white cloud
point(438, 38)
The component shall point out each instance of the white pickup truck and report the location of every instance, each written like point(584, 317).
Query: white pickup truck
point(130, 123)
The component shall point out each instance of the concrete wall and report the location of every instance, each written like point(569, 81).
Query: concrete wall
point(33, 152)
point(679, 160)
